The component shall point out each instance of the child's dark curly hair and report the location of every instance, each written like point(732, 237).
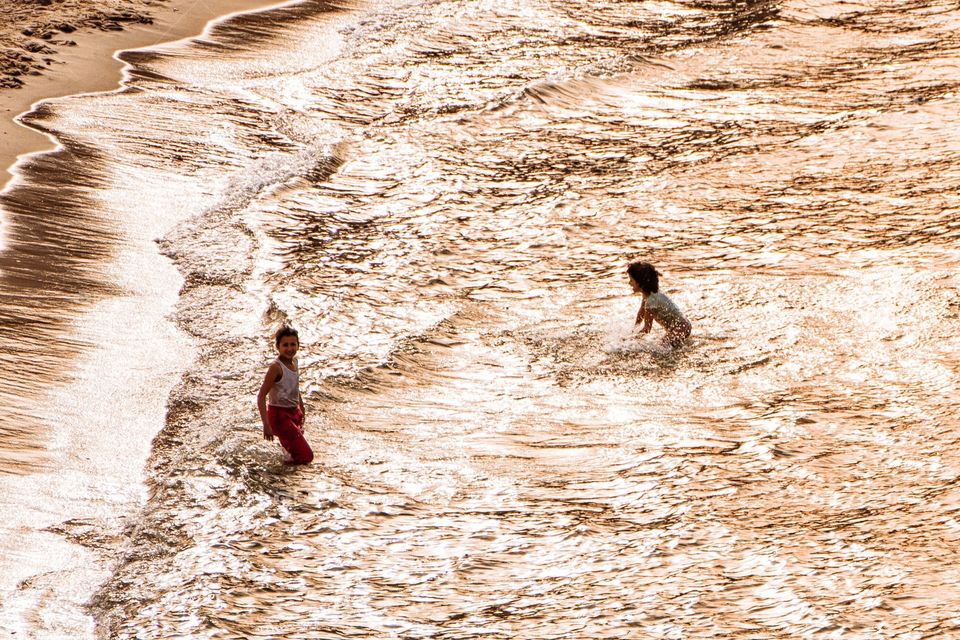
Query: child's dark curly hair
point(645, 276)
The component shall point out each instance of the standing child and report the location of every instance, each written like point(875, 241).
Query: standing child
point(656, 306)
point(280, 402)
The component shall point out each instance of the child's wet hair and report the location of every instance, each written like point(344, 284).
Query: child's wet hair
point(283, 332)
point(646, 277)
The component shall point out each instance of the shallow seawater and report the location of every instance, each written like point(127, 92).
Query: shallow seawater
point(443, 197)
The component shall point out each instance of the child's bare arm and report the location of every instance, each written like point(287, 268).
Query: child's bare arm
point(645, 316)
point(647, 323)
point(271, 377)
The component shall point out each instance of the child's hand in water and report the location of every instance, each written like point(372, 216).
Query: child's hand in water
point(643, 317)
point(640, 320)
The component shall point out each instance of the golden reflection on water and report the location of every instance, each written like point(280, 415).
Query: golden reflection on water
point(498, 453)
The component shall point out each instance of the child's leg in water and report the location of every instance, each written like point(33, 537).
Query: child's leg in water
point(676, 338)
point(287, 425)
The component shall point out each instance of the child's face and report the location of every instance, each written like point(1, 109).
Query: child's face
point(288, 345)
point(633, 284)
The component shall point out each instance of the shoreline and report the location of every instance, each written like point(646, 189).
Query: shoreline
point(90, 65)
point(71, 509)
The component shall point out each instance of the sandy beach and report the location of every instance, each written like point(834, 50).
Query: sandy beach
point(443, 198)
point(52, 48)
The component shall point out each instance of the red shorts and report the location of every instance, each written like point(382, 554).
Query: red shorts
point(287, 426)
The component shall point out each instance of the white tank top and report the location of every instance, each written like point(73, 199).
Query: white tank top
point(665, 311)
point(285, 392)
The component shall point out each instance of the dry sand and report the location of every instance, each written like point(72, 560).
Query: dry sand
point(52, 48)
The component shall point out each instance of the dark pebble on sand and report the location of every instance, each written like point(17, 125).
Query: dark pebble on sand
point(38, 47)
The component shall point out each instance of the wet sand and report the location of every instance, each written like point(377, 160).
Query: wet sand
point(48, 50)
point(47, 571)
